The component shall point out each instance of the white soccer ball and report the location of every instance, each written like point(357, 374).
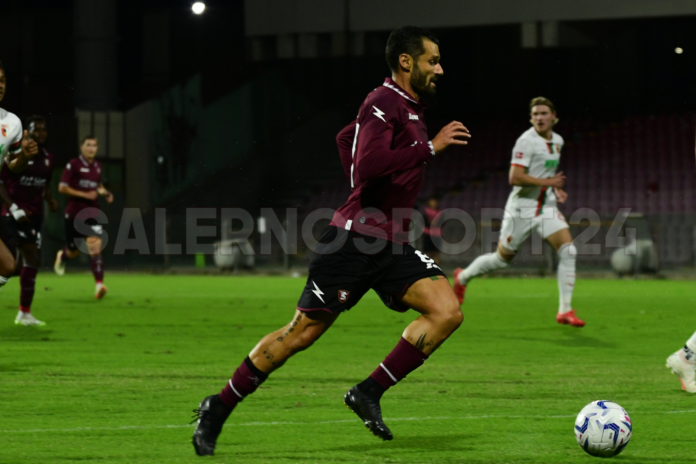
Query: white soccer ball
point(603, 429)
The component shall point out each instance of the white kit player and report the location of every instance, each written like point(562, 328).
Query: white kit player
point(683, 363)
point(532, 206)
point(15, 151)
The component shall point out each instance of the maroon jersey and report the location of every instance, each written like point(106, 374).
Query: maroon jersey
point(85, 177)
point(384, 153)
point(27, 188)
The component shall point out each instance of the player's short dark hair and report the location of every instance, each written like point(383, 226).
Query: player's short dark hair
point(34, 119)
point(409, 40)
point(86, 138)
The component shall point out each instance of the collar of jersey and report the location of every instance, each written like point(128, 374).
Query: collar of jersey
point(389, 83)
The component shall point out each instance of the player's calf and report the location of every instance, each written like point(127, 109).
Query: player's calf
point(268, 355)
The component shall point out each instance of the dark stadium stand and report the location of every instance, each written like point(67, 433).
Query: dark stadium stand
point(644, 162)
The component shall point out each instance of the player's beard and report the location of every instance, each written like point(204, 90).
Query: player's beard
point(419, 83)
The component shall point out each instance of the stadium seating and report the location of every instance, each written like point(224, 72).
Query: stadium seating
point(643, 162)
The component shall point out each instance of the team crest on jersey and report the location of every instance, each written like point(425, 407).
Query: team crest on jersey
point(519, 155)
point(343, 295)
point(4, 129)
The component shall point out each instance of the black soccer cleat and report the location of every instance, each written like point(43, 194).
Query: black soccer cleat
point(210, 421)
point(369, 411)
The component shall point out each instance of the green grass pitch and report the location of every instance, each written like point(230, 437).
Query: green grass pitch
point(115, 381)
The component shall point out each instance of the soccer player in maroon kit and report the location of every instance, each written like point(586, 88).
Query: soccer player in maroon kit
point(22, 195)
point(365, 246)
point(81, 181)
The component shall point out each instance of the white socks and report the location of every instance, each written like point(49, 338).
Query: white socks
point(566, 276)
point(482, 265)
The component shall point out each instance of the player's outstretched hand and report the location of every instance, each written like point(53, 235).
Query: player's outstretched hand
point(29, 147)
point(557, 181)
point(561, 195)
point(109, 197)
point(451, 134)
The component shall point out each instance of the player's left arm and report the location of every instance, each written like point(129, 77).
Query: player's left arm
point(108, 196)
point(25, 150)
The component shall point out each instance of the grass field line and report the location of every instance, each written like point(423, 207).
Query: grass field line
point(342, 421)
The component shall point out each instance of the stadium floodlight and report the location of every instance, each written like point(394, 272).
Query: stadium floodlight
point(678, 50)
point(198, 7)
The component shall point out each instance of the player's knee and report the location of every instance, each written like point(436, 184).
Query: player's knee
point(505, 254)
point(456, 317)
point(7, 266)
point(303, 340)
point(450, 315)
point(567, 253)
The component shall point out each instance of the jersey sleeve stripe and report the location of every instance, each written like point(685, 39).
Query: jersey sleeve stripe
point(519, 165)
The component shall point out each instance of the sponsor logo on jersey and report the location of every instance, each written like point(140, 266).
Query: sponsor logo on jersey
point(88, 184)
point(343, 295)
point(31, 181)
point(4, 129)
point(551, 164)
point(519, 155)
point(413, 117)
point(84, 169)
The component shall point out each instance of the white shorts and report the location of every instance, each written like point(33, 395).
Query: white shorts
point(518, 224)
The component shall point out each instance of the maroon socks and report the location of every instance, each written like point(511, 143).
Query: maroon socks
point(27, 283)
point(64, 256)
point(404, 359)
point(245, 381)
point(97, 268)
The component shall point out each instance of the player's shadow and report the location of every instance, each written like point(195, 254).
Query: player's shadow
point(573, 337)
point(404, 443)
point(83, 301)
point(25, 334)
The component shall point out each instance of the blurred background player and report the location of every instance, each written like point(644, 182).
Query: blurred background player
point(81, 181)
point(15, 151)
point(532, 206)
point(431, 231)
point(22, 194)
point(683, 363)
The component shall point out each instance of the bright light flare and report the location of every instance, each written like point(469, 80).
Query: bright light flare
point(678, 50)
point(198, 7)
